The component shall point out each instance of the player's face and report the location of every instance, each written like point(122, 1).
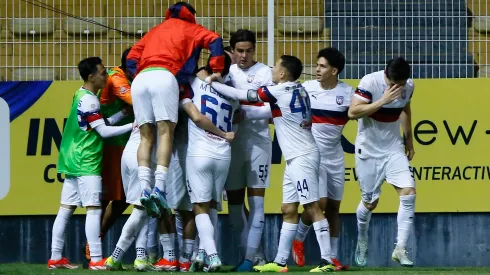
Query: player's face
point(324, 71)
point(277, 72)
point(400, 83)
point(243, 54)
point(99, 79)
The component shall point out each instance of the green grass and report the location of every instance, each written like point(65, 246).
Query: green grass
point(41, 269)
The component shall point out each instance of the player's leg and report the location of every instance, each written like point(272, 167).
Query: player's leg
point(152, 243)
point(112, 212)
point(370, 180)
point(70, 199)
point(90, 189)
point(144, 116)
point(289, 208)
point(168, 262)
point(165, 99)
point(399, 174)
point(141, 262)
point(188, 239)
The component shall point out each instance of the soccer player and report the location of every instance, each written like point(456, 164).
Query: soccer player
point(291, 113)
point(381, 104)
point(208, 159)
point(251, 152)
point(80, 159)
point(113, 98)
point(330, 100)
point(165, 57)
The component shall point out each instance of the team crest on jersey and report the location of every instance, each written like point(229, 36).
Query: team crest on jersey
point(123, 90)
point(340, 100)
point(250, 78)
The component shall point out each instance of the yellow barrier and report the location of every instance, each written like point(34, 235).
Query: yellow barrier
point(451, 123)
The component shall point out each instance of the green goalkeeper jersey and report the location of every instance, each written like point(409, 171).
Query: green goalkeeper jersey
point(81, 146)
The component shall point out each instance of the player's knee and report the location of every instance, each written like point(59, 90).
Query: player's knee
point(313, 209)
point(235, 196)
point(93, 207)
point(165, 128)
point(333, 207)
point(323, 203)
point(255, 192)
point(407, 191)
point(371, 206)
point(289, 210)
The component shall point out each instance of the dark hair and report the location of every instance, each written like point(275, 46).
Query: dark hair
point(228, 49)
point(397, 69)
point(226, 69)
point(123, 58)
point(187, 5)
point(334, 57)
point(242, 35)
point(293, 65)
point(88, 66)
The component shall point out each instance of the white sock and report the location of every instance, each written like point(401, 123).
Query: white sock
point(186, 252)
point(255, 226)
point(179, 226)
point(92, 232)
point(334, 245)
point(206, 232)
point(129, 232)
point(168, 245)
point(406, 214)
point(260, 251)
point(59, 227)
point(141, 241)
point(363, 217)
point(288, 231)
point(302, 231)
point(160, 177)
point(152, 243)
point(144, 176)
point(197, 246)
point(213, 215)
point(322, 232)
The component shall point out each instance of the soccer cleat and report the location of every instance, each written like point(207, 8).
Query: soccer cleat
point(62, 263)
point(298, 252)
point(152, 260)
point(166, 265)
point(271, 267)
point(160, 200)
point(185, 267)
point(150, 206)
point(400, 255)
point(141, 265)
point(324, 266)
point(361, 253)
point(100, 265)
point(199, 261)
point(338, 265)
point(244, 266)
point(214, 264)
point(113, 265)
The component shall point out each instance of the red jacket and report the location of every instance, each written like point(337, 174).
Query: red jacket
point(176, 45)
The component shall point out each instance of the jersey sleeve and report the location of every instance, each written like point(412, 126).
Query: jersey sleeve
point(267, 78)
point(214, 43)
point(265, 94)
point(122, 89)
point(89, 110)
point(364, 90)
point(134, 55)
point(186, 94)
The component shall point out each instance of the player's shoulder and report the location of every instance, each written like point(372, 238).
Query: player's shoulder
point(311, 85)
point(88, 102)
point(261, 67)
point(410, 84)
point(344, 88)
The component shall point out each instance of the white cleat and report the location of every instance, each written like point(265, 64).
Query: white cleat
point(400, 255)
point(361, 253)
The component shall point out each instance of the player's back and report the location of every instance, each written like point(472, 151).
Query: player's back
point(220, 111)
point(291, 111)
point(252, 132)
point(379, 133)
point(329, 115)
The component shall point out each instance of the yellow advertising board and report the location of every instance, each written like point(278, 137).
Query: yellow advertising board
point(451, 123)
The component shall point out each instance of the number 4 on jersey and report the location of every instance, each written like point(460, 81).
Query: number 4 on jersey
point(304, 103)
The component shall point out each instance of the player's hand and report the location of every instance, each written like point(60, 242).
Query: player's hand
point(393, 93)
point(229, 136)
point(214, 77)
point(410, 151)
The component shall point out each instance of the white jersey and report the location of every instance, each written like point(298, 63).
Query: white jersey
point(219, 110)
point(329, 115)
point(379, 134)
point(291, 111)
point(252, 131)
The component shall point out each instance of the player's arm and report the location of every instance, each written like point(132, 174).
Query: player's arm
point(89, 107)
point(134, 55)
point(214, 43)
point(406, 122)
point(256, 112)
point(261, 95)
point(122, 89)
point(362, 105)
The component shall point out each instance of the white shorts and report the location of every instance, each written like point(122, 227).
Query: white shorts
point(206, 178)
point(331, 178)
point(251, 172)
point(372, 172)
point(175, 185)
point(129, 173)
point(82, 191)
point(155, 95)
point(300, 183)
